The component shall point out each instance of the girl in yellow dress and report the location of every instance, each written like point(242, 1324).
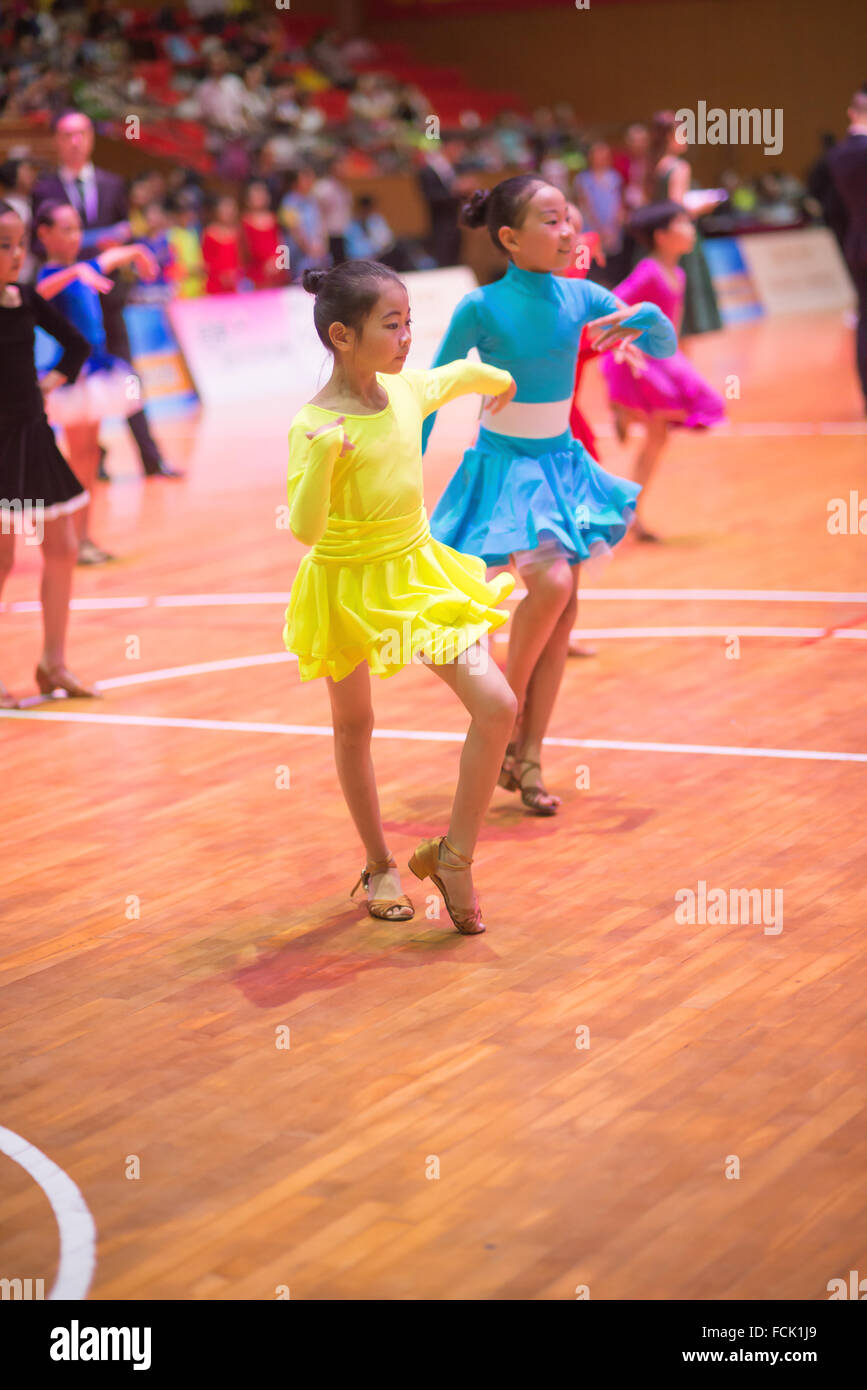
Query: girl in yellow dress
point(377, 591)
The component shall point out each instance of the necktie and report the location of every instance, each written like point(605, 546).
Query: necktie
point(82, 200)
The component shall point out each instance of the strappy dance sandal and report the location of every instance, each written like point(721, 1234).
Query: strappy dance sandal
point(424, 864)
point(531, 796)
point(58, 678)
point(382, 907)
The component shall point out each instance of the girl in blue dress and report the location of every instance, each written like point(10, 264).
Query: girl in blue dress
point(107, 385)
point(528, 493)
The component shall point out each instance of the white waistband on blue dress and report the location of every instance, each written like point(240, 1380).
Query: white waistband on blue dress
point(529, 419)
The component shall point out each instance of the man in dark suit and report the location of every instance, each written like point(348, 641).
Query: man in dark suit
point(443, 191)
point(100, 198)
point(848, 165)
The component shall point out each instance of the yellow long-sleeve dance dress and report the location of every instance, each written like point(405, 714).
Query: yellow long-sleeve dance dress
point(377, 586)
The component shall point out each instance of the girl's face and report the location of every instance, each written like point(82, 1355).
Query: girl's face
point(227, 212)
point(545, 241)
point(383, 341)
point(63, 238)
point(258, 199)
point(11, 247)
point(678, 237)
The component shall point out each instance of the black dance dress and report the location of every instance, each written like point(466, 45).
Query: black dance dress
point(33, 472)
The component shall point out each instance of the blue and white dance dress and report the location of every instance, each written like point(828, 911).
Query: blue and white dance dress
point(107, 385)
point(527, 484)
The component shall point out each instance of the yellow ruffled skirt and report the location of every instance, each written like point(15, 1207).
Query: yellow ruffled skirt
point(388, 593)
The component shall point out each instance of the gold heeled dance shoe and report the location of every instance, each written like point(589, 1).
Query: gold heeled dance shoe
point(58, 678)
point(424, 864)
point(383, 908)
point(532, 796)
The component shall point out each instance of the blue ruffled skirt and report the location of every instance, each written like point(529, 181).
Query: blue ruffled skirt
point(513, 495)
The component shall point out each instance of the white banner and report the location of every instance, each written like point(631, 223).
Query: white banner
point(797, 271)
point(262, 345)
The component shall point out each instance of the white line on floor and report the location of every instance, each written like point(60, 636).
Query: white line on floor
point(84, 605)
point(233, 663)
point(75, 1224)
point(428, 735)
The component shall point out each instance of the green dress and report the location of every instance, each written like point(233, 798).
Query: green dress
point(700, 309)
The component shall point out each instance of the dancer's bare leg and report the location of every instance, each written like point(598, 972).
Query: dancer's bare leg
point(82, 443)
point(59, 552)
point(542, 692)
point(352, 720)
point(485, 693)
point(645, 465)
point(7, 560)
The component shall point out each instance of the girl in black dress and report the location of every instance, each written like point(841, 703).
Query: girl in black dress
point(38, 490)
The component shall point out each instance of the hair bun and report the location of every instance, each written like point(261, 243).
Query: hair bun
point(312, 280)
point(474, 211)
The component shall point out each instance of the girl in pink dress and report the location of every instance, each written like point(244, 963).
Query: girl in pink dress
point(669, 391)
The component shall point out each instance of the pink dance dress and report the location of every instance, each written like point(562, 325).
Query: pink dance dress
point(669, 386)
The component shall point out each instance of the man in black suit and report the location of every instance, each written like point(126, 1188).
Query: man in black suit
point(100, 199)
point(848, 165)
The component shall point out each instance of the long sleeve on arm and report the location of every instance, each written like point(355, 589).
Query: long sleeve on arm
point(443, 384)
point(658, 338)
point(311, 463)
point(461, 335)
point(76, 348)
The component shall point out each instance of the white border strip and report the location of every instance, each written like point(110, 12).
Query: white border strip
point(75, 1225)
point(150, 721)
point(98, 605)
point(233, 663)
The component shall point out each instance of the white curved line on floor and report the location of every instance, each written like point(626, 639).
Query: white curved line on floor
point(75, 1225)
point(150, 721)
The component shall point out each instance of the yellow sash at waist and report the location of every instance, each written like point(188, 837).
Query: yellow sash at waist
point(365, 541)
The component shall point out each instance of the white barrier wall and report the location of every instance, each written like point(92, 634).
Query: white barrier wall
point(798, 271)
point(262, 346)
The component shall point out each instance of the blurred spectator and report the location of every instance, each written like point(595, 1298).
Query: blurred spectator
point(335, 205)
point(368, 236)
point(258, 101)
point(261, 239)
point(185, 240)
point(848, 162)
point(221, 248)
point(301, 216)
point(632, 164)
point(598, 190)
point(157, 241)
point(443, 191)
point(821, 187)
point(222, 97)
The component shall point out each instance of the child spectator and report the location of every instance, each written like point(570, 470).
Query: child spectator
point(221, 248)
point(261, 239)
point(184, 236)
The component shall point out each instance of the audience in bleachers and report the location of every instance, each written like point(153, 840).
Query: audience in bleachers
point(283, 108)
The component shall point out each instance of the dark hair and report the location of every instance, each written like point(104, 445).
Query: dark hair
point(6, 208)
point(46, 212)
point(9, 172)
point(502, 206)
point(653, 218)
point(345, 294)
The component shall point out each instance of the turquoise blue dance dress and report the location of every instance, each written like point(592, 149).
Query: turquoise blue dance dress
point(527, 481)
